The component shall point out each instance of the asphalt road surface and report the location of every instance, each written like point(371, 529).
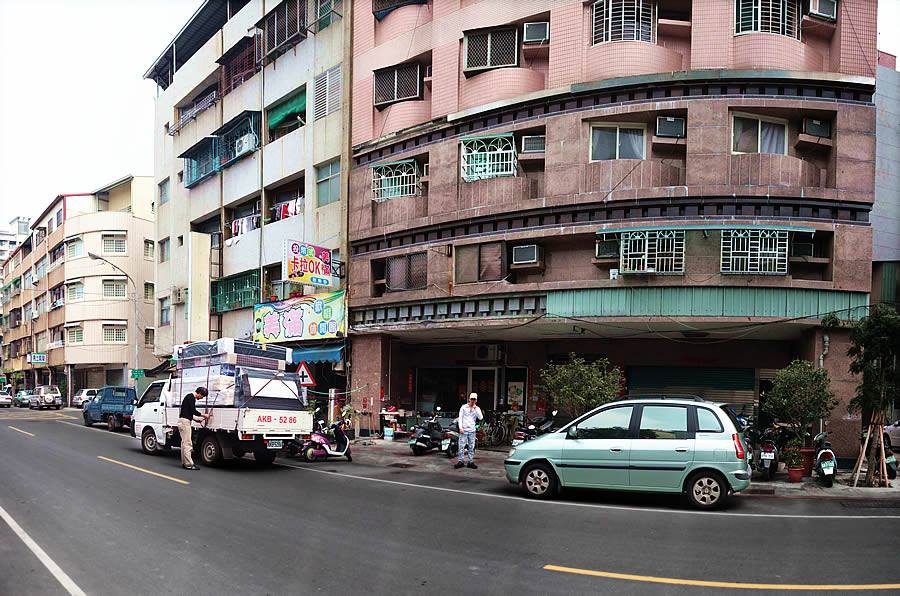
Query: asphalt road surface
point(104, 518)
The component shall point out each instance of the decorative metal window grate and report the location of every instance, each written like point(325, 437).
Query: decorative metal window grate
point(488, 157)
point(623, 20)
point(235, 292)
point(495, 48)
point(239, 140)
point(201, 163)
point(755, 252)
point(398, 83)
point(114, 334)
point(400, 179)
point(284, 27)
point(768, 16)
point(652, 251)
point(327, 90)
point(406, 272)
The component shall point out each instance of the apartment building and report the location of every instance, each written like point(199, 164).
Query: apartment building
point(19, 228)
point(681, 186)
point(886, 211)
point(250, 165)
point(79, 290)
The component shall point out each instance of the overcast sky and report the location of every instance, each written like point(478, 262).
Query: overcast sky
point(74, 109)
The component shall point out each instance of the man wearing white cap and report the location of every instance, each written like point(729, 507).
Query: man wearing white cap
point(469, 415)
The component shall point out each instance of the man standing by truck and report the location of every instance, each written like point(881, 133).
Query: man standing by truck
point(186, 415)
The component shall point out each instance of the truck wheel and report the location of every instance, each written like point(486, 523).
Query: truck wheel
point(264, 457)
point(149, 444)
point(87, 419)
point(210, 450)
point(112, 424)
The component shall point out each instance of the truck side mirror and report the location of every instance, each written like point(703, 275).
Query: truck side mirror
point(572, 432)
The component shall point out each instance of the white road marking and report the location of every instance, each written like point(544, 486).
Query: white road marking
point(123, 434)
point(61, 576)
point(19, 430)
point(591, 505)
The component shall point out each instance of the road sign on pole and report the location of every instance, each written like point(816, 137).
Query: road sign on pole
point(306, 378)
point(137, 373)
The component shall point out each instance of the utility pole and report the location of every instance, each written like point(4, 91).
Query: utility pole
point(134, 297)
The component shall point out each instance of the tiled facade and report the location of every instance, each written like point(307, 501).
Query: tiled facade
point(574, 201)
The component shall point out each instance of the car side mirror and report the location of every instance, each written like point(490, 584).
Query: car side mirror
point(572, 432)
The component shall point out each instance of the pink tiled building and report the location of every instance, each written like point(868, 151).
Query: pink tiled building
point(680, 186)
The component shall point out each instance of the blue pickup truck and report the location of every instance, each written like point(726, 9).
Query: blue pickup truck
point(112, 405)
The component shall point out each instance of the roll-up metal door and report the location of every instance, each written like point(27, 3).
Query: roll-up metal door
point(727, 385)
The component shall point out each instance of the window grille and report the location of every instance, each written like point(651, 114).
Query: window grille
point(327, 92)
point(239, 140)
point(149, 290)
point(400, 179)
point(114, 244)
point(406, 272)
point(149, 338)
point(240, 66)
point(488, 157)
point(495, 48)
point(768, 16)
point(754, 252)
point(76, 335)
point(74, 292)
point(284, 27)
point(200, 163)
point(652, 251)
point(114, 334)
point(113, 289)
point(623, 20)
point(235, 292)
point(327, 11)
point(149, 249)
point(74, 248)
point(398, 83)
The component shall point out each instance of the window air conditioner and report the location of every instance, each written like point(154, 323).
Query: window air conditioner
point(534, 143)
point(179, 296)
point(35, 315)
point(826, 9)
point(670, 126)
point(244, 144)
point(817, 128)
point(527, 254)
point(487, 352)
point(537, 32)
point(802, 249)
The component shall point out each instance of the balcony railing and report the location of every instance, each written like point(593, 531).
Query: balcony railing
point(488, 157)
point(55, 344)
point(201, 105)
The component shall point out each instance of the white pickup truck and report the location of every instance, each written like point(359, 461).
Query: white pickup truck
point(268, 412)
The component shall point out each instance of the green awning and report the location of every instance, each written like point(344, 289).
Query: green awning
point(289, 108)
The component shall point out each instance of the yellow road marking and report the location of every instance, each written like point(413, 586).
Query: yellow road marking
point(716, 584)
point(144, 470)
point(19, 430)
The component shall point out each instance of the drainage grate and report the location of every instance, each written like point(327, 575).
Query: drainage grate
point(400, 465)
point(880, 504)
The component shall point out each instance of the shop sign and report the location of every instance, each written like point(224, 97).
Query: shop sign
point(37, 358)
point(307, 264)
point(137, 373)
point(317, 316)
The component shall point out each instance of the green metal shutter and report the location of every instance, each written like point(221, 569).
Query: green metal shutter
point(731, 385)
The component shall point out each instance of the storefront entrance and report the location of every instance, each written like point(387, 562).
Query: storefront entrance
point(483, 381)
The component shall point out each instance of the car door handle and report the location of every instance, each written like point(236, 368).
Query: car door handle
point(616, 449)
point(681, 449)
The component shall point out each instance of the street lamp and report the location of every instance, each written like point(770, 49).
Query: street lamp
point(134, 296)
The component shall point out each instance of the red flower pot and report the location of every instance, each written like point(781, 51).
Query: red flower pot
point(809, 458)
point(795, 474)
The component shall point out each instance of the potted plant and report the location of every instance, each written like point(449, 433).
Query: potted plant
point(800, 395)
point(793, 460)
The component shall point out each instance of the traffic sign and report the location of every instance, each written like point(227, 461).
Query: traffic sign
point(137, 373)
point(306, 378)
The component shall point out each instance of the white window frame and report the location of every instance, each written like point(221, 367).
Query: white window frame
point(115, 238)
point(617, 126)
point(327, 182)
point(756, 7)
point(168, 309)
point(111, 289)
point(602, 28)
point(490, 33)
point(760, 252)
point(395, 72)
point(657, 252)
point(483, 158)
point(70, 297)
point(149, 249)
point(760, 120)
point(74, 336)
point(70, 252)
point(152, 287)
point(394, 180)
point(115, 334)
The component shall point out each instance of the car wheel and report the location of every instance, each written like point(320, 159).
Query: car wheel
point(87, 420)
point(210, 450)
point(149, 444)
point(540, 482)
point(707, 490)
point(264, 457)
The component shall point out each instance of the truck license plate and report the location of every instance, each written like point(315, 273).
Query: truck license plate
point(767, 455)
point(274, 443)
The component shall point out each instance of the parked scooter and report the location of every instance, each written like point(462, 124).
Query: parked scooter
point(450, 440)
point(428, 436)
point(764, 451)
point(538, 426)
point(320, 445)
point(826, 462)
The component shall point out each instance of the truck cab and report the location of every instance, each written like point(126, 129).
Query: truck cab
point(112, 405)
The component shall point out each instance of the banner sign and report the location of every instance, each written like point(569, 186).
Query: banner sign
point(37, 358)
point(317, 316)
point(307, 264)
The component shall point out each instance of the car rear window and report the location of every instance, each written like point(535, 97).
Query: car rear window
point(708, 422)
point(731, 416)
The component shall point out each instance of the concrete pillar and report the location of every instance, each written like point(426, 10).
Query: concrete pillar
point(370, 377)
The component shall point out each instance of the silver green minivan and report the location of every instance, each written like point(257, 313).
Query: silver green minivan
point(668, 444)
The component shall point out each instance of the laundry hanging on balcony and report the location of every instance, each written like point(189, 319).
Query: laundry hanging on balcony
point(242, 225)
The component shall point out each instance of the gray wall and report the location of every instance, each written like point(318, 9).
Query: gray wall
point(886, 213)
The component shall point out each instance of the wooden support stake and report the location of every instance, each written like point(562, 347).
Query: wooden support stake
point(862, 456)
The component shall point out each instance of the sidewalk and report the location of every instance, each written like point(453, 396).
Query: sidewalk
point(397, 454)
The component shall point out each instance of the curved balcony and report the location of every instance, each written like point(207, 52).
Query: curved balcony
point(628, 58)
point(399, 210)
point(496, 191)
point(631, 174)
point(402, 115)
point(770, 50)
point(497, 85)
point(401, 20)
point(763, 169)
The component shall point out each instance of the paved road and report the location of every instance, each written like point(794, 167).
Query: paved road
point(335, 527)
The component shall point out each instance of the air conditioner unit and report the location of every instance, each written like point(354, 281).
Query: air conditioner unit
point(802, 249)
point(817, 128)
point(244, 144)
point(179, 296)
point(534, 143)
point(606, 249)
point(487, 352)
point(527, 254)
point(35, 315)
point(538, 32)
point(670, 126)
point(826, 9)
